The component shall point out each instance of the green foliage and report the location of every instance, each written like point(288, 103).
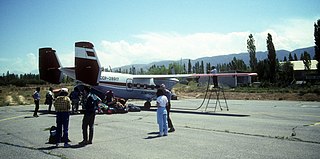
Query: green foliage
point(295, 57)
point(317, 43)
point(234, 65)
point(306, 60)
point(263, 70)
point(176, 68)
point(238, 65)
point(20, 80)
point(290, 57)
point(271, 58)
point(252, 52)
point(23, 80)
point(189, 66)
point(157, 70)
point(285, 74)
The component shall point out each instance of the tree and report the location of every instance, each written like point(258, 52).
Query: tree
point(175, 68)
point(317, 42)
point(237, 65)
point(208, 67)
point(271, 58)
point(285, 59)
point(201, 67)
point(252, 52)
point(286, 73)
point(290, 57)
point(157, 70)
point(295, 57)
point(263, 70)
point(189, 66)
point(306, 60)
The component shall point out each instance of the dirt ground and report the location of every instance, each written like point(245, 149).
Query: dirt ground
point(256, 96)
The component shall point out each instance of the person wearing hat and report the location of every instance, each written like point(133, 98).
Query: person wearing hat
point(62, 106)
point(168, 94)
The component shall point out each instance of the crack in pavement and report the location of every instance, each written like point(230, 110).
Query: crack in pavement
point(255, 135)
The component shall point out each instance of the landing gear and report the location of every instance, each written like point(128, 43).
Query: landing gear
point(147, 105)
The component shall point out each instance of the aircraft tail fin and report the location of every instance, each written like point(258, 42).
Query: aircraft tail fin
point(49, 66)
point(87, 66)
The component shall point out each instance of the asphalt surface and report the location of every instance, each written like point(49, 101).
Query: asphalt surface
point(250, 129)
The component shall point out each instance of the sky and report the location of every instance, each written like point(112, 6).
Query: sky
point(126, 32)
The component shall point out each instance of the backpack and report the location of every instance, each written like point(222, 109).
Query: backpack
point(53, 135)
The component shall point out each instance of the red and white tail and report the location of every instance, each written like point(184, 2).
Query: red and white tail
point(49, 66)
point(87, 66)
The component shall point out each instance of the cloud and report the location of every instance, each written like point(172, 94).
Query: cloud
point(150, 47)
point(24, 64)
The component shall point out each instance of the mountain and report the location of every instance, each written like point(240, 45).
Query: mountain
point(221, 59)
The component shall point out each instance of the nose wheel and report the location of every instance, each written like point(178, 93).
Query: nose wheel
point(147, 105)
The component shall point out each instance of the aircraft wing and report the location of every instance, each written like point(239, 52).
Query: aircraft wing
point(161, 76)
point(193, 75)
point(225, 74)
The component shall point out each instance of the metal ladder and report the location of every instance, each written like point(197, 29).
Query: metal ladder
point(217, 91)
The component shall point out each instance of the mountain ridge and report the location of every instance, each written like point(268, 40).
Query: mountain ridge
point(221, 59)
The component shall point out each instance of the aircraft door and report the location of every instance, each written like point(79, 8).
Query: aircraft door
point(129, 84)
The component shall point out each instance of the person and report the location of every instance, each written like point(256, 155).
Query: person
point(49, 99)
point(89, 116)
point(162, 102)
point(214, 78)
point(109, 98)
point(168, 94)
point(62, 106)
point(75, 99)
point(36, 99)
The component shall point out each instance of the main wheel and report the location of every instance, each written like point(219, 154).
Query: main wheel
point(147, 105)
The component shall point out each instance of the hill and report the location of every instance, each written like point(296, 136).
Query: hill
point(214, 60)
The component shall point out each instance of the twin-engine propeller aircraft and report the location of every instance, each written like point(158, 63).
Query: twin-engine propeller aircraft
point(88, 71)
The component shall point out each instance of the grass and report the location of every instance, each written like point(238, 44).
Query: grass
point(194, 87)
point(12, 95)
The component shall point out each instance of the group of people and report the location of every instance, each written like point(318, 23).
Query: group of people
point(63, 106)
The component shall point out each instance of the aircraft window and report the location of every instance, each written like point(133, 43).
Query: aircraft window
point(90, 53)
point(129, 85)
point(138, 86)
point(145, 86)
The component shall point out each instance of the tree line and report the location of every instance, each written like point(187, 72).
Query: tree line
point(23, 80)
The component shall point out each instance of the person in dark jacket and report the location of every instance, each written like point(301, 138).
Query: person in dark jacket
point(89, 116)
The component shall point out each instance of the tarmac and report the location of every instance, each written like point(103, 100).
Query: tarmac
point(250, 129)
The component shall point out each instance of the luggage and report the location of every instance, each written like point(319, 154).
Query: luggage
point(53, 135)
point(133, 108)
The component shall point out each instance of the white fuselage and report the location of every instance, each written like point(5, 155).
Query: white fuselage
point(127, 86)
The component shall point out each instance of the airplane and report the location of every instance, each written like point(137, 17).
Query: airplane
point(88, 71)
